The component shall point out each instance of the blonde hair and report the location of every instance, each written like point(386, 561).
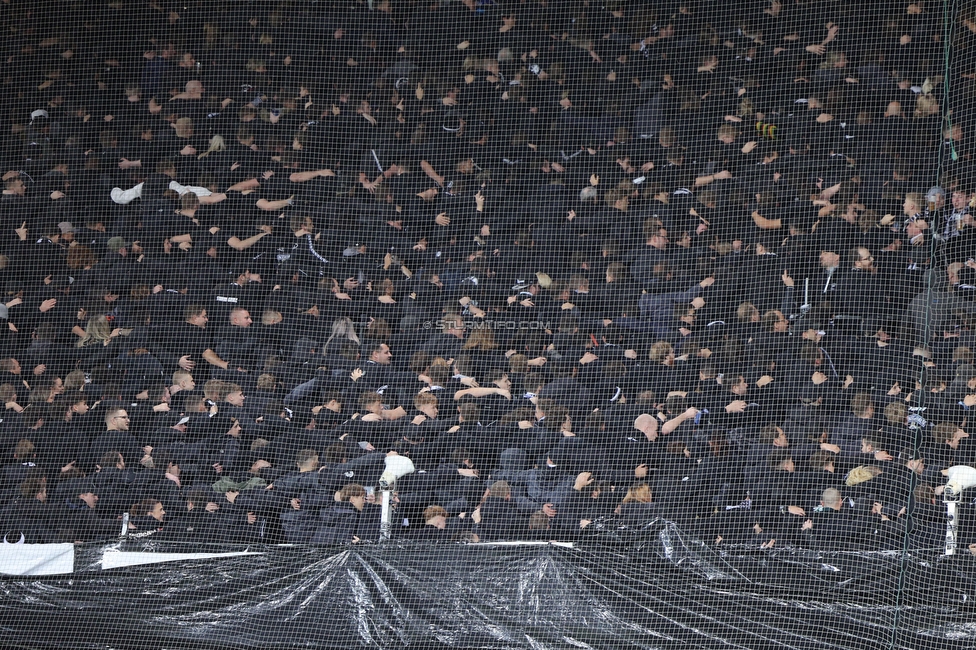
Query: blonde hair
point(217, 144)
point(746, 311)
point(926, 105)
point(501, 489)
point(98, 330)
point(182, 124)
point(640, 493)
point(434, 511)
point(481, 338)
point(518, 363)
point(343, 328)
point(660, 351)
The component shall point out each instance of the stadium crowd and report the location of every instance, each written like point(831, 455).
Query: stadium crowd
point(586, 264)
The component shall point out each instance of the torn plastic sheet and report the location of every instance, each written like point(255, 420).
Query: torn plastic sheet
point(650, 589)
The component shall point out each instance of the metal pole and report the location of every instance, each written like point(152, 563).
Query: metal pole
point(952, 524)
point(386, 526)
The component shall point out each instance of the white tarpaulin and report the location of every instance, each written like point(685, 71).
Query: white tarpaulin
point(36, 559)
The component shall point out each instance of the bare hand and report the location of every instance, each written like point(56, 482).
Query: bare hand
point(736, 406)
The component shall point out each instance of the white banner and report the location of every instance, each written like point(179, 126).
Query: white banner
point(36, 559)
point(115, 559)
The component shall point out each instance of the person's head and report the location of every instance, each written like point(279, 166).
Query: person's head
point(871, 444)
point(775, 321)
point(912, 460)
point(915, 229)
point(482, 338)
point(184, 127)
point(822, 461)
point(616, 271)
point(189, 202)
point(214, 390)
point(435, 516)
point(439, 372)
point(76, 403)
point(662, 352)
point(195, 315)
point(331, 400)
point(960, 199)
point(371, 402)
point(235, 394)
point(862, 260)
point(862, 406)
point(893, 109)
point(184, 380)
point(111, 460)
point(738, 385)
point(655, 233)
point(34, 488)
point(380, 353)
point(24, 450)
point(896, 413)
point(117, 419)
point(935, 198)
point(378, 330)
point(166, 168)
point(954, 132)
point(307, 460)
point(829, 259)
point(98, 330)
point(469, 412)
point(426, 403)
point(501, 490)
point(80, 257)
point(949, 433)
point(197, 498)
point(240, 317)
point(354, 493)
point(747, 313)
point(780, 460)
point(343, 328)
point(10, 365)
point(499, 378)
point(162, 460)
point(148, 508)
point(727, 134)
point(543, 407)
point(639, 493)
point(774, 435)
point(14, 186)
point(914, 201)
point(539, 520)
point(684, 313)
point(832, 499)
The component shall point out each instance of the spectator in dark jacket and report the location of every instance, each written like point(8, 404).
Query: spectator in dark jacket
point(340, 523)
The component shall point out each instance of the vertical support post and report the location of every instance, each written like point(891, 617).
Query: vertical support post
point(952, 524)
point(386, 526)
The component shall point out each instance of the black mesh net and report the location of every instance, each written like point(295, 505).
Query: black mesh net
point(487, 324)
